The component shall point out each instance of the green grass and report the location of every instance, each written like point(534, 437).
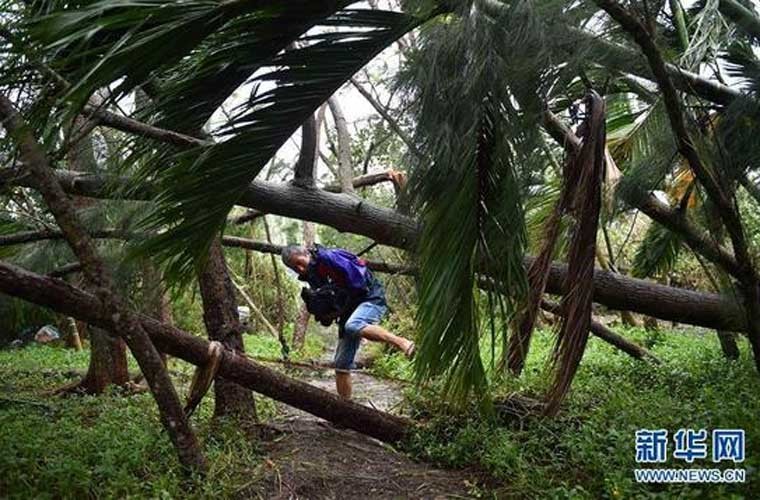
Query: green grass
point(588, 451)
point(105, 446)
point(113, 445)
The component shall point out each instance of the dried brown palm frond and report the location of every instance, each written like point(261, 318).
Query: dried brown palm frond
point(574, 329)
point(538, 273)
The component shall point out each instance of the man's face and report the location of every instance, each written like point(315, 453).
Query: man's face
point(299, 263)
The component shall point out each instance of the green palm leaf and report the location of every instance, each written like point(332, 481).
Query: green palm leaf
point(199, 187)
point(482, 196)
point(125, 38)
point(192, 91)
point(657, 253)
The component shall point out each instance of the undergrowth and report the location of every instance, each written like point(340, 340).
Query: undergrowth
point(113, 445)
point(589, 450)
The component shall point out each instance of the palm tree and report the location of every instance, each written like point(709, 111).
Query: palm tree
point(489, 83)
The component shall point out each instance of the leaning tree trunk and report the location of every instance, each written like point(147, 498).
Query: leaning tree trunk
point(223, 324)
point(391, 228)
point(62, 297)
point(726, 339)
point(98, 277)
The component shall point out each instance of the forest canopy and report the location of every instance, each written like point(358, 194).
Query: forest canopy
point(515, 172)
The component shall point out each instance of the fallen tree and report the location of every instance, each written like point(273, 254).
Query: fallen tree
point(597, 328)
point(613, 290)
point(386, 226)
point(66, 299)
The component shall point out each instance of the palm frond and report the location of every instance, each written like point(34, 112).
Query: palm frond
point(482, 156)
point(708, 31)
point(198, 187)
point(743, 65)
point(483, 194)
point(657, 253)
point(646, 152)
point(190, 92)
point(577, 302)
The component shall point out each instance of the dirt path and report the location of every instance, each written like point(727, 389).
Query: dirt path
point(313, 459)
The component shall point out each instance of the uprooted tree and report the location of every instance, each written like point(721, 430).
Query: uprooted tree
point(489, 84)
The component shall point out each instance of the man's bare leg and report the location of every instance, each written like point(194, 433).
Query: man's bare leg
point(343, 384)
point(380, 334)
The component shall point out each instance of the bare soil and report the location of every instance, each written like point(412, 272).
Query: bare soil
point(311, 458)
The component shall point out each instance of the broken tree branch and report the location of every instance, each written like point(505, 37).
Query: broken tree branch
point(62, 297)
point(99, 278)
point(389, 227)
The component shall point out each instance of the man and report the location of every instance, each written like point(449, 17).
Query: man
point(320, 266)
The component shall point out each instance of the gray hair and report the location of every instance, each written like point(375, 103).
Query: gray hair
point(290, 251)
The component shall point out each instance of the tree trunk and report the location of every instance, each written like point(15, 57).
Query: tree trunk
point(726, 339)
point(307, 159)
point(345, 166)
point(284, 348)
point(302, 321)
point(223, 324)
point(98, 278)
point(66, 299)
point(155, 298)
point(108, 358)
point(605, 263)
point(389, 227)
point(604, 333)
point(728, 344)
point(108, 364)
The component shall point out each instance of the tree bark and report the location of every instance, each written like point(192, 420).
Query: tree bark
point(108, 357)
point(728, 344)
point(345, 166)
point(66, 299)
point(604, 333)
point(726, 339)
point(388, 227)
point(302, 321)
point(223, 324)
point(108, 365)
point(605, 263)
point(307, 158)
point(155, 299)
point(368, 180)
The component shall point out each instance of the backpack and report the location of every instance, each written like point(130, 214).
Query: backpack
point(327, 303)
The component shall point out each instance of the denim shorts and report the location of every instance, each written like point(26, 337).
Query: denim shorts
point(367, 313)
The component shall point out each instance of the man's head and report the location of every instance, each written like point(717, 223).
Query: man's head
point(297, 258)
